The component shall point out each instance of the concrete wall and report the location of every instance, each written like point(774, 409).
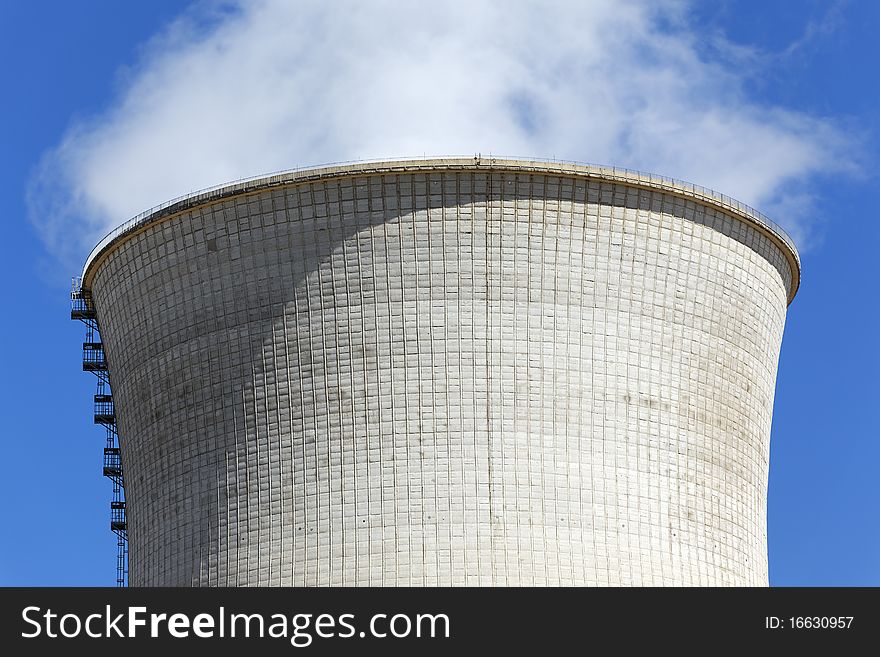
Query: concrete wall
point(458, 377)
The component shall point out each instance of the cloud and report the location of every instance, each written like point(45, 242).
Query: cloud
point(234, 90)
point(829, 23)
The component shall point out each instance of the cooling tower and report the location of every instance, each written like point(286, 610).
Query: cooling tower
point(445, 372)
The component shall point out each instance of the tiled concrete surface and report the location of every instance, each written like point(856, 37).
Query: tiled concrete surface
point(449, 378)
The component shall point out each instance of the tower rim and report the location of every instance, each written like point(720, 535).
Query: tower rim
point(296, 176)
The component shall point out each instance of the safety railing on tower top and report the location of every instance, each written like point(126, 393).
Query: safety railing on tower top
point(619, 174)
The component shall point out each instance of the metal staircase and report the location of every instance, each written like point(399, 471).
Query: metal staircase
point(94, 361)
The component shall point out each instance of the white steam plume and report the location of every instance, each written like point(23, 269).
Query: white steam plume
point(240, 89)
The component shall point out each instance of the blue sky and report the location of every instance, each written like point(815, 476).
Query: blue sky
point(112, 107)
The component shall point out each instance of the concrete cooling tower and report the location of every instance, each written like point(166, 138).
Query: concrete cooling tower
point(442, 372)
